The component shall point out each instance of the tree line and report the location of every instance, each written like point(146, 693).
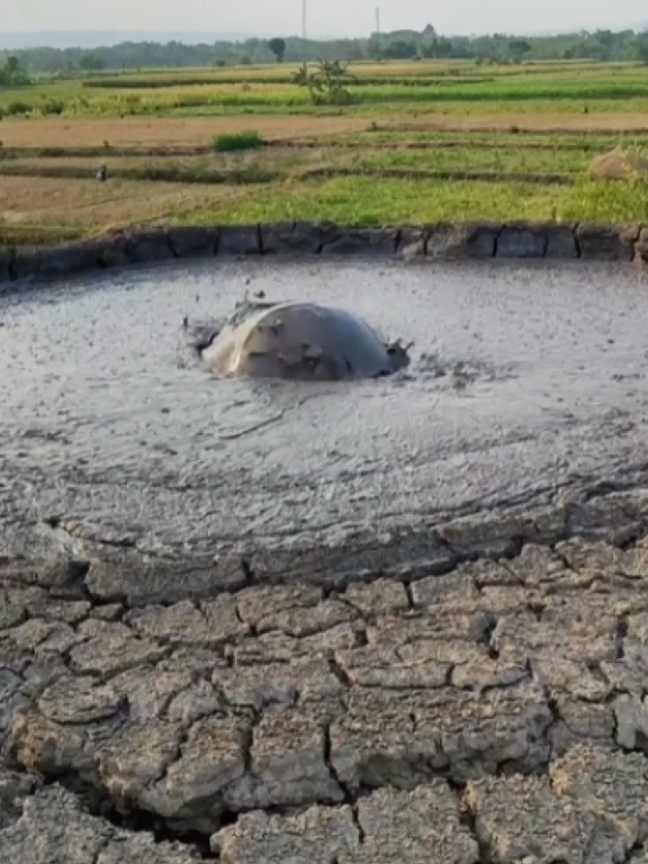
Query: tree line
point(600, 45)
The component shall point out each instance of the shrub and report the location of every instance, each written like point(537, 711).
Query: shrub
point(53, 107)
point(238, 141)
point(14, 108)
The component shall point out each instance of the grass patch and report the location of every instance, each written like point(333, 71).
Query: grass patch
point(363, 201)
point(160, 173)
point(87, 207)
point(247, 140)
point(412, 135)
point(29, 233)
point(474, 159)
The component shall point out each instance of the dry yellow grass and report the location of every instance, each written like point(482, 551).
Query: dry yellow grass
point(130, 131)
point(619, 164)
point(95, 205)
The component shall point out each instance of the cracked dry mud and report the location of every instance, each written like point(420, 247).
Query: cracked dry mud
point(488, 705)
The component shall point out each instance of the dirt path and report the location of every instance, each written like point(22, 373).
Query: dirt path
point(50, 132)
point(134, 131)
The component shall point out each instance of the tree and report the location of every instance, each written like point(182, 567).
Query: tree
point(278, 48)
point(91, 62)
point(518, 48)
point(641, 47)
point(328, 84)
point(12, 74)
point(401, 44)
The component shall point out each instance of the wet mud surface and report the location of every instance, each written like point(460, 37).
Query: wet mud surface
point(522, 380)
point(257, 622)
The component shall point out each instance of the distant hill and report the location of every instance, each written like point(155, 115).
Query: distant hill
point(89, 39)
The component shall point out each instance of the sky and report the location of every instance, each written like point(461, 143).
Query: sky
point(325, 17)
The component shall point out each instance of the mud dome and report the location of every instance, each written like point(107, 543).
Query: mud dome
point(300, 341)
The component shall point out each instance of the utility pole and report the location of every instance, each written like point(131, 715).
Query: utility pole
point(378, 20)
point(303, 19)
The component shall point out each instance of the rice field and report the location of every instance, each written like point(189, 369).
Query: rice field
point(412, 142)
point(287, 162)
point(418, 86)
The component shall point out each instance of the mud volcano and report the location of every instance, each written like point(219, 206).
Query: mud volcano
point(300, 341)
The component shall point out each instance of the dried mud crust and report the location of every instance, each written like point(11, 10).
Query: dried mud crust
point(486, 701)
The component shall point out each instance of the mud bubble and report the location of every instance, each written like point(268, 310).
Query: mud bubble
point(299, 341)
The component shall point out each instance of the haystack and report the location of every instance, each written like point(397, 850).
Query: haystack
point(619, 164)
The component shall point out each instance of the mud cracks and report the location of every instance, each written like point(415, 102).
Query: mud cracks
point(476, 693)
